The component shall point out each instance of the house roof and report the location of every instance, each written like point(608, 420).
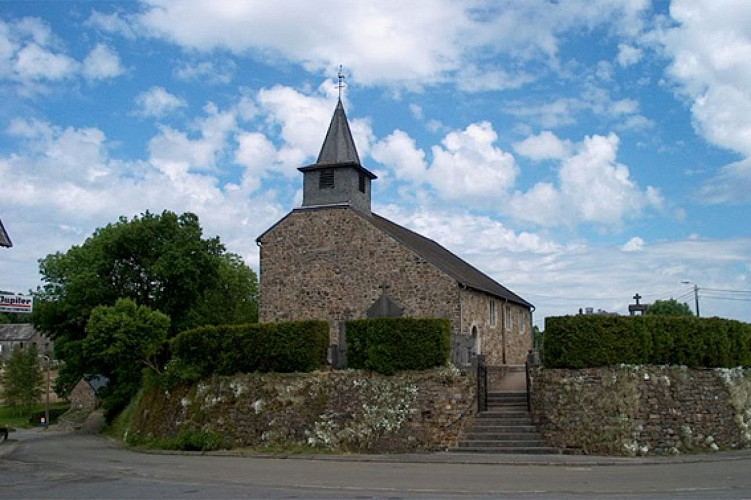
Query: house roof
point(16, 332)
point(4, 238)
point(449, 263)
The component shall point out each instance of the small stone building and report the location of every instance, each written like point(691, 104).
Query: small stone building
point(85, 394)
point(334, 259)
point(21, 336)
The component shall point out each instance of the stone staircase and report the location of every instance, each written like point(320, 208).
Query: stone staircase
point(506, 427)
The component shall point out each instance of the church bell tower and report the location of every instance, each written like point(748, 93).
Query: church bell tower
point(337, 178)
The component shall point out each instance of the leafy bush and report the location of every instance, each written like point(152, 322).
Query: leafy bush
point(298, 346)
point(388, 345)
point(592, 340)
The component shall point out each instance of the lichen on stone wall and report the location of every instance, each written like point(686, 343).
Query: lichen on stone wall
point(738, 382)
point(383, 406)
point(636, 410)
point(338, 410)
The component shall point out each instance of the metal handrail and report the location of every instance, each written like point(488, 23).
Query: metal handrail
point(529, 387)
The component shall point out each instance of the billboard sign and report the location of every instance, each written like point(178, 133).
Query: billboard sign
point(16, 303)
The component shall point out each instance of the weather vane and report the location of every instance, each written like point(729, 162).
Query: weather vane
point(341, 84)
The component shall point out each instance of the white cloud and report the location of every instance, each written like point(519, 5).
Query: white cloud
point(173, 150)
point(33, 62)
point(606, 277)
point(32, 58)
point(474, 79)
point(101, 63)
point(113, 23)
point(220, 71)
point(157, 102)
point(544, 146)
point(399, 151)
point(389, 42)
point(731, 185)
point(564, 110)
point(635, 244)
point(593, 188)
point(256, 152)
point(67, 178)
point(468, 166)
point(302, 119)
point(468, 234)
point(561, 111)
point(710, 47)
point(628, 55)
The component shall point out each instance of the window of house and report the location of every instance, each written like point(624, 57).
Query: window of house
point(522, 321)
point(326, 180)
point(493, 313)
point(362, 182)
point(508, 320)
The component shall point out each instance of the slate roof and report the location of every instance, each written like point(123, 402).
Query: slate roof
point(4, 238)
point(338, 149)
point(443, 259)
point(16, 332)
point(338, 146)
point(96, 382)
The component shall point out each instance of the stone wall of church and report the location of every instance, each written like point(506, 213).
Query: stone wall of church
point(332, 263)
point(517, 325)
point(497, 325)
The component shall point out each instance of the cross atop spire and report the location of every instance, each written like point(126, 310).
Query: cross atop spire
point(341, 84)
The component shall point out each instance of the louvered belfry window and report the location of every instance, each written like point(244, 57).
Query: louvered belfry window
point(326, 181)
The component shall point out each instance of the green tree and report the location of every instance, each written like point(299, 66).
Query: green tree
point(538, 337)
point(235, 298)
point(669, 307)
point(160, 261)
point(22, 379)
point(120, 341)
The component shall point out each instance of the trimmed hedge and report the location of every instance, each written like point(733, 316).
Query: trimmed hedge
point(388, 345)
point(296, 346)
point(591, 341)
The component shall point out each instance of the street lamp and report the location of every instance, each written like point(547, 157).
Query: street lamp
point(696, 295)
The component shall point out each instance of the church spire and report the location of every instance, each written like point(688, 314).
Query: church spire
point(338, 146)
point(337, 178)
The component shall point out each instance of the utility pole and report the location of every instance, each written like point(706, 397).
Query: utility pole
point(47, 397)
point(696, 296)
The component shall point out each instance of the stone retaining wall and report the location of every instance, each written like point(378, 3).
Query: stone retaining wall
point(340, 410)
point(640, 410)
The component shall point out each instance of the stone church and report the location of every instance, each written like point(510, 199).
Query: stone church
point(334, 259)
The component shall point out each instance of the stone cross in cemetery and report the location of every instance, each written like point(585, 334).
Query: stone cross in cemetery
point(637, 308)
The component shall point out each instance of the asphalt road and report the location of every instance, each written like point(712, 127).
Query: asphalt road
point(34, 464)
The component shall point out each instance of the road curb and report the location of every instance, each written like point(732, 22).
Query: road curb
point(470, 458)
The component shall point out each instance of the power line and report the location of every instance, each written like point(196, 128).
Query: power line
point(723, 290)
point(736, 299)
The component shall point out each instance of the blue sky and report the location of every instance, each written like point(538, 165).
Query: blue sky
point(578, 152)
